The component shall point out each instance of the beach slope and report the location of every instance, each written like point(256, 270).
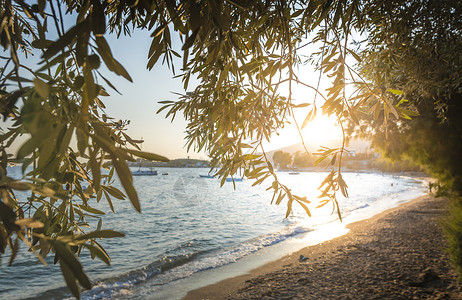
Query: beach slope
point(398, 254)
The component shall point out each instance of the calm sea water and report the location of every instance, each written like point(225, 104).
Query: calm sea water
point(189, 224)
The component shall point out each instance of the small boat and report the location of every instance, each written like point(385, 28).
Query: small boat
point(230, 179)
point(141, 172)
point(206, 176)
point(165, 173)
point(144, 173)
point(294, 173)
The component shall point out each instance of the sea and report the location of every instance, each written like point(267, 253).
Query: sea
point(192, 232)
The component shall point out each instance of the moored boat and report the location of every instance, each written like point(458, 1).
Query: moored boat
point(205, 176)
point(229, 179)
point(144, 173)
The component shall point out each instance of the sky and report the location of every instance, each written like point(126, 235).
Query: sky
point(139, 100)
point(139, 103)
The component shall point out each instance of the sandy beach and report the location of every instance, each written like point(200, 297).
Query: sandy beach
point(398, 254)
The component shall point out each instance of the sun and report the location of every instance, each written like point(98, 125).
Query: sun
point(322, 131)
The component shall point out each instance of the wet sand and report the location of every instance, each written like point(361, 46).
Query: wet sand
point(398, 254)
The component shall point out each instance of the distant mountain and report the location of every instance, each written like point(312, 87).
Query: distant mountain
point(174, 163)
point(360, 146)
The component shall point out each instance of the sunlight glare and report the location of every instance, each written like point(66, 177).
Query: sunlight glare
point(326, 232)
point(321, 131)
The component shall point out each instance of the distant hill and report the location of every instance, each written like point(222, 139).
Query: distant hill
point(174, 163)
point(360, 146)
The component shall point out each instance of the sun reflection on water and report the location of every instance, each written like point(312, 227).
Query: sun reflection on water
point(326, 232)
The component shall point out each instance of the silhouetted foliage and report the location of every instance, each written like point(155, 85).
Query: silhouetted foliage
point(244, 55)
point(416, 50)
point(303, 160)
point(282, 159)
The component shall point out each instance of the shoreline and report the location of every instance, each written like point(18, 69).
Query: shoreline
point(398, 253)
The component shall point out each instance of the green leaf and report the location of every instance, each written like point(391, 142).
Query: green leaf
point(396, 92)
point(126, 179)
point(109, 202)
point(65, 40)
point(289, 205)
point(408, 112)
point(107, 234)
point(71, 262)
point(20, 185)
point(254, 172)
point(377, 109)
point(18, 79)
point(146, 155)
point(223, 75)
point(98, 19)
point(280, 197)
point(195, 19)
point(44, 76)
point(356, 56)
point(401, 102)
point(113, 65)
point(99, 252)
point(190, 40)
point(14, 251)
point(27, 148)
point(297, 13)
point(353, 115)
point(69, 278)
point(259, 181)
point(159, 30)
point(91, 210)
point(307, 210)
point(322, 203)
point(338, 210)
point(310, 117)
point(41, 87)
point(29, 222)
point(302, 105)
point(41, 44)
point(95, 170)
point(44, 191)
point(47, 150)
point(175, 17)
point(343, 186)
point(64, 143)
point(114, 192)
point(89, 87)
point(250, 156)
point(110, 84)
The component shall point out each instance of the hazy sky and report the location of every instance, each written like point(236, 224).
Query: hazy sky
point(139, 102)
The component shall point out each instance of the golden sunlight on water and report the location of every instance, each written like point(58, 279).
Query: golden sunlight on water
point(326, 232)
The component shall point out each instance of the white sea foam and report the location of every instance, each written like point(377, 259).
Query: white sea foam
point(228, 255)
point(122, 287)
